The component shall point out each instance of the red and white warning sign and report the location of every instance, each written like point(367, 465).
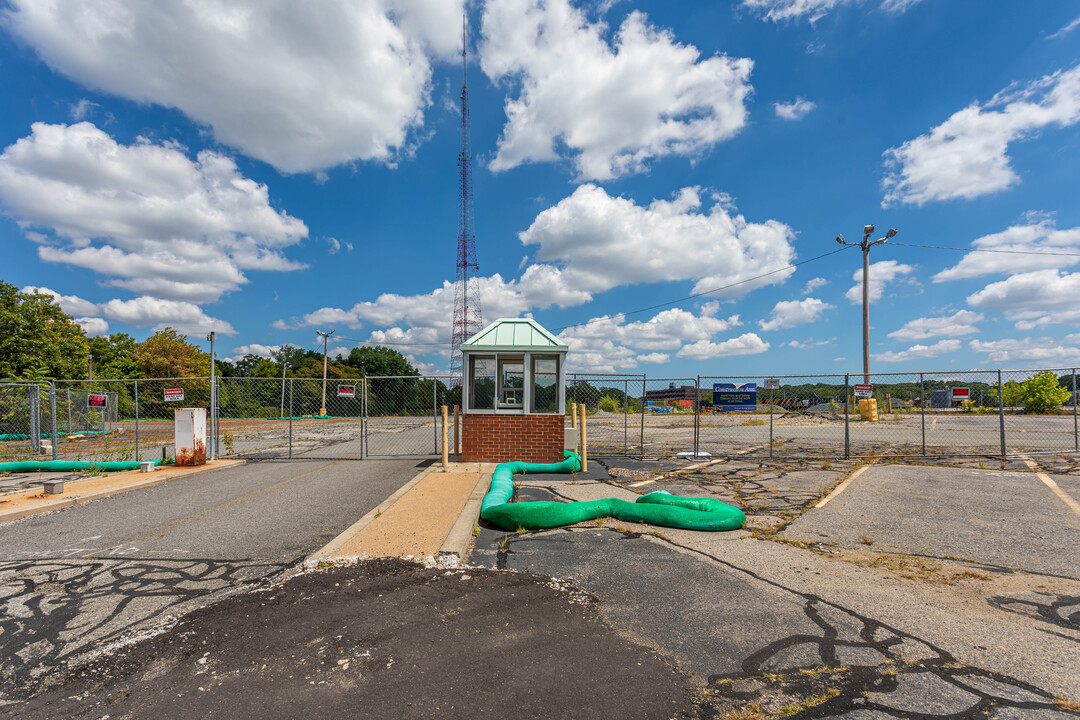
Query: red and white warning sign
point(174, 394)
point(94, 400)
point(864, 391)
point(346, 391)
point(960, 394)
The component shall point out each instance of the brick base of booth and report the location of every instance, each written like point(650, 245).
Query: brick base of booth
point(502, 438)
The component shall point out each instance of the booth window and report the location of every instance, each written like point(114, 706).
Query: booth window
point(481, 383)
point(545, 373)
point(511, 382)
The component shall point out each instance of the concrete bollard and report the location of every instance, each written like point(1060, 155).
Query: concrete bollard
point(53, 487)
point(445, 449)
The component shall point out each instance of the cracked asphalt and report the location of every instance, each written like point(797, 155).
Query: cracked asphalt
point(904, 597)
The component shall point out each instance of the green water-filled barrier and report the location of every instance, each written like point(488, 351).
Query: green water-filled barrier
point(67, 466)
point(656, 508)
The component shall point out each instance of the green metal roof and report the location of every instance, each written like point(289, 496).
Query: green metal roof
point(514, 335)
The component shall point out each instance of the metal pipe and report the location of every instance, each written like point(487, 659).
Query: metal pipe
point(291, 413)
point(1001, 412)
point(644, 384)
point(697, 415)
point(435, 409)
point(772, 401)
point(1076, 435)
point(847, 432)
point(626, 417)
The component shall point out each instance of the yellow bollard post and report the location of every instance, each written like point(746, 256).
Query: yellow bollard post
point(457, 431)
point(573, 415)
point(584, 447)
point(445, 450)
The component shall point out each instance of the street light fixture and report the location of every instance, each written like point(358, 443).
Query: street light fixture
point(866, 245)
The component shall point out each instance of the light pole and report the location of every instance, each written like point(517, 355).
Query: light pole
point(325, 339)
point(866, 245)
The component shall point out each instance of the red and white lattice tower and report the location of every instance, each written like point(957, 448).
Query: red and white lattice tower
point(467, 319)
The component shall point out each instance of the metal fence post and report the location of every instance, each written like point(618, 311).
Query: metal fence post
point(137, 458)
point(1076, 435)
point(697, 414)
point(291, 413)
point(847, 432)
point(52, 422)
point(772, 401)
point(626, 417)
point(645, 384)
point(68, 391)
point(33, 397)
point(435, 410)
point(922, 410)
point(364, 419)
point(1001, 412)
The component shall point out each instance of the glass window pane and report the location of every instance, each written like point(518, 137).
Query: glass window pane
point(511, 383)
point(545, 385)
point(481, 383)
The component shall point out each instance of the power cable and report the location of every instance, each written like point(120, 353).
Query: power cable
point(988, 250)
point(705, 292)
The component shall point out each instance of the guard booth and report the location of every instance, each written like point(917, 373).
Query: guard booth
point(513, 393)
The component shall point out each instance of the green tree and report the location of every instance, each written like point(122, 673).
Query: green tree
point(37, 337)
point(378, 360)
point(168, 354)
point(114, 356)
point(1041, 392)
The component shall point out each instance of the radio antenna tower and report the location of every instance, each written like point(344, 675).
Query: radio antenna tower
point(467, 319)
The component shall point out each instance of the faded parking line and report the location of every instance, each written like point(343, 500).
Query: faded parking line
point(1049, 482)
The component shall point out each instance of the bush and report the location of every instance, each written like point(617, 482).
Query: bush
point(609, 404)
point(1041, 392)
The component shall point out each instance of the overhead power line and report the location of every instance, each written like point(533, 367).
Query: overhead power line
point(701, 294)
point(988, 250)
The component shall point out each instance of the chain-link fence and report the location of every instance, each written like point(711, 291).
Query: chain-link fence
point(898, 414)
point(403, 414)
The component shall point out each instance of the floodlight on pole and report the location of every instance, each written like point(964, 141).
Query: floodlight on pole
point(866, 245)
point(326, 337)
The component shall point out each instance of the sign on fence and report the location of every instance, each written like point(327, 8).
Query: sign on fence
point(97, 401)
point(771, 384)
point(961, 394)
point(864, 391)
point(727, 396)
point(346, 391)
point(174, 394)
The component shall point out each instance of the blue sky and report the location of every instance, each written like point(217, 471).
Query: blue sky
point(269, 169)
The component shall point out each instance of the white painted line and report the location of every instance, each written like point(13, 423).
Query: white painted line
point(842, 486)
point(1054, 487)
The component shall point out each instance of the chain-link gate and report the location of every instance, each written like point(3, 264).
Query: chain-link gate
point(613, 405)
point(404, 414)
point(27, 420)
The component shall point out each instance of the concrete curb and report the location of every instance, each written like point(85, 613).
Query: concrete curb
point(75, 499)
point(326, 551)
point(455, 549)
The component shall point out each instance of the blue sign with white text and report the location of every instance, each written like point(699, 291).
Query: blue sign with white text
point(728, 396)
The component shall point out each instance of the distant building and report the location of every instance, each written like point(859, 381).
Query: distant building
point(685, 395)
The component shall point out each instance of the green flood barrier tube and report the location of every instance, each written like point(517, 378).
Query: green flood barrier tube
point(27, 436)
point(68, 465)
point(655, 508)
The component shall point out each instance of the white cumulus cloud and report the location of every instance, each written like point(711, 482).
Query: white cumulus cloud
point(795, 110)
point(601, 242)
point(1019, 249)
point(959, 323)
point(612, 106)
point(1033, 299)
point(71, 304)
point(967, 155)
point(791, 313)
point(813, 284)
point(745, 344)
point(1041, 352)
point(881, 274)
point(301, 86)
point(93, 326)
point(919, 352)
point(157, 314)
point(144, 216)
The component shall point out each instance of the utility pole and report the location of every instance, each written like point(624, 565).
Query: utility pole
point(90, 367)
point(866, 245)
point(325, 339)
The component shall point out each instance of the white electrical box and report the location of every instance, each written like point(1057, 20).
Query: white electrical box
point(190, 442)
